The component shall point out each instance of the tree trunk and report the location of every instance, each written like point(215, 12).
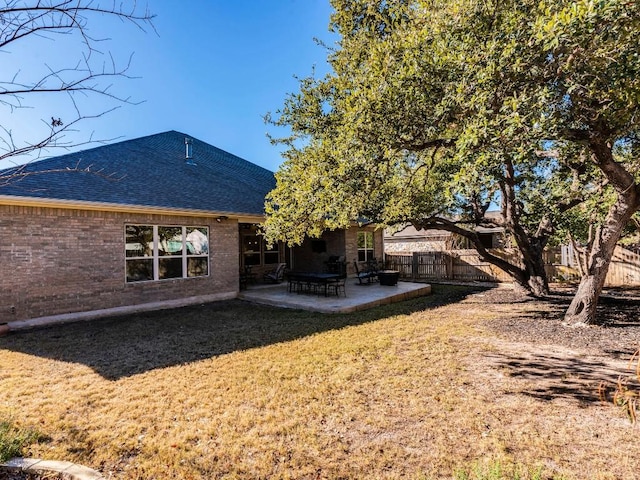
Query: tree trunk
point(582, 310)
point(530, 280)
point(534, 286)
point(533, 278)
point(530, 246)
point(532, 253)
point(538, 286)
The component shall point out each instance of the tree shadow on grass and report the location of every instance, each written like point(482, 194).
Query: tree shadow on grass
point(128, 345)
point(547, 361)
point(550, 376)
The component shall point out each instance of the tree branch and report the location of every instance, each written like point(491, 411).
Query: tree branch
point(23, 19)
point(439, 223)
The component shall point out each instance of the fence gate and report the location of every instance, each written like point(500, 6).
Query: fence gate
point(432, 265)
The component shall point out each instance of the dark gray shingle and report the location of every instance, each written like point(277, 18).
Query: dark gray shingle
point(151, 171)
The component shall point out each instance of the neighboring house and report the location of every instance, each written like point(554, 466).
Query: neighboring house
point(409, 240)
point(158, 221)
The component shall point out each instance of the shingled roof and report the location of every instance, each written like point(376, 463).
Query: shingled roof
point(152, 172)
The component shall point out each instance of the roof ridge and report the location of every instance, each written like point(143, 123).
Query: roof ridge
point(150, 171)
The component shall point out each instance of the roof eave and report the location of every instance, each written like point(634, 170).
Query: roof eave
point(11, 200)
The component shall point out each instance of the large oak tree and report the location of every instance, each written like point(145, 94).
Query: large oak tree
point(435, 109)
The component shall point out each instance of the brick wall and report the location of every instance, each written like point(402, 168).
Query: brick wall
point(308, 260)
point(58, 261)
point(339, 242)
point(351, 245)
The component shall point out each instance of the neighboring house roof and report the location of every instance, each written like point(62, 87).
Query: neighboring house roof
point(148, 172)
point(410, 233)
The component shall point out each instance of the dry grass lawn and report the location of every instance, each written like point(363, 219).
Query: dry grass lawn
point(420, 390)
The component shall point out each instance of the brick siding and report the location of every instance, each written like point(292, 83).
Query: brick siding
point(59, 261)
point(351, 245)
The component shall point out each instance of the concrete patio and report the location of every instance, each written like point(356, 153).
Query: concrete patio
point(359, 297)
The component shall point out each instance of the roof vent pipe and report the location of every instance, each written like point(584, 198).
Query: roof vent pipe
point(188, 145)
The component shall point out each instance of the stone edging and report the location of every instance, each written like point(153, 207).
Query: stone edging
point(67, 469)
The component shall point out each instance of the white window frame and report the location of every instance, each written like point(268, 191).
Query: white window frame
point(155, 257)
point(367, 248)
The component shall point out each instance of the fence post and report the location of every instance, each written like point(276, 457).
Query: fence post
point(414, 267)
point(449, 266)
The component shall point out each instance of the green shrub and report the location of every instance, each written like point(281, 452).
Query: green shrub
point(13, 440)
point(497, 471)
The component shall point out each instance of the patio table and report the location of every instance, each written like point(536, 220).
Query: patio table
point(311, 279)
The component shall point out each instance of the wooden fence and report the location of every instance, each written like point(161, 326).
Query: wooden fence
point(467, 266)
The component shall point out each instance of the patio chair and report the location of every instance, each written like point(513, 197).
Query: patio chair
point(247, 276)
point(297, 285)
point(336, 264)
point(337, 286)
point(364, 275)
point(373, 266)
point(276, 275)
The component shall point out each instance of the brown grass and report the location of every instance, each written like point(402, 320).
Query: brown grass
point(626, 393)
point(232, 390)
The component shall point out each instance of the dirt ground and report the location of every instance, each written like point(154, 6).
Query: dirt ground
point(28, 476)
point(560, 361)
point(618, 312)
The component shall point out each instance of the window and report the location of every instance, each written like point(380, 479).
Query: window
point(251, 249)
point(271, 255)
point(155, 252)
point(255, 250)
point(365, 246)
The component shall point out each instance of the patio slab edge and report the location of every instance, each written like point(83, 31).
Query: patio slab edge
point(400, 297)
point(27, 324)
point(38, 466)
point(424, 289)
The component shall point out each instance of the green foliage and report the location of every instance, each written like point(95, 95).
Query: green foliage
point(443, 108)
point(13, 440)
point(496, 470)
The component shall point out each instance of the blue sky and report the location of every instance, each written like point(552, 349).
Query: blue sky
point(212, 71)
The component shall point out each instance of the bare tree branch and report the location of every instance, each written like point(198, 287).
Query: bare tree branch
point(26, 20)
point(55, 139)
point(19, 173)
